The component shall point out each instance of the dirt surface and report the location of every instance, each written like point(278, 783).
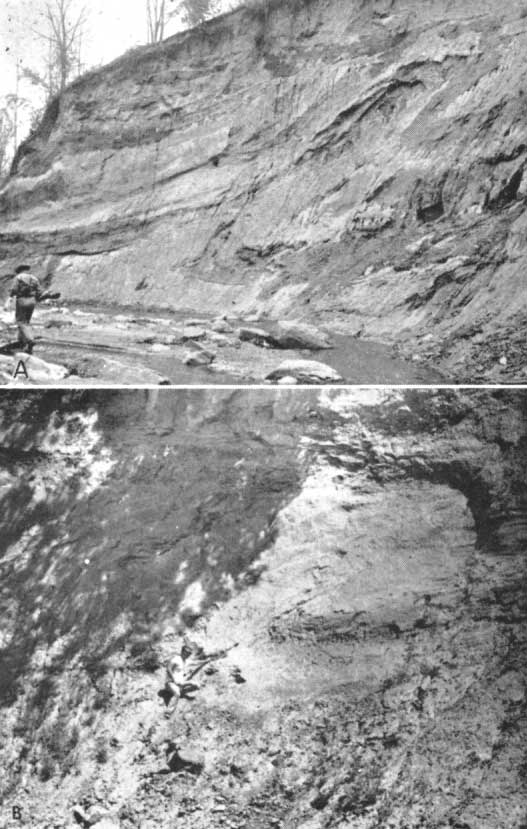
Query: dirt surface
point(355, 558)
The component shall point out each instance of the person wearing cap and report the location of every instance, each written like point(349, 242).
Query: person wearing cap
point(27, 291)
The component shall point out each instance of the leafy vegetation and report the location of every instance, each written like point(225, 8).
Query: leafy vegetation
point(191, 12)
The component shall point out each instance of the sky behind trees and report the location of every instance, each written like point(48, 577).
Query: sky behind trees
point(112, 27)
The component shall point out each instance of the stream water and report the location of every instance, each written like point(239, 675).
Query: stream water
point(108, 344)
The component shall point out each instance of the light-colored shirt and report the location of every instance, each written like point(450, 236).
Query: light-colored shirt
point(181, 670)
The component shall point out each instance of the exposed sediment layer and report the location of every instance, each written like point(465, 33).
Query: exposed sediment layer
point(360, 164)
point(364, 551)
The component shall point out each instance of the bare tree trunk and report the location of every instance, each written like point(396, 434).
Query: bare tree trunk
point(62, 31)
point(156, 20)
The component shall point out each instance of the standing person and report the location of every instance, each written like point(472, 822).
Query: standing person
point(27, 291)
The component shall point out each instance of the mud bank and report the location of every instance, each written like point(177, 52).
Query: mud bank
point(364, 553)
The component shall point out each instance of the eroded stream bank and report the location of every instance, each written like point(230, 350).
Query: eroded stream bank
point(359, 165)
point(363, 550)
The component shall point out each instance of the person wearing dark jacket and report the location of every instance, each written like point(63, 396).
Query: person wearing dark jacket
point(27, 291)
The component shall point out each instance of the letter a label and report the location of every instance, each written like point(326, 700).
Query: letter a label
point(21, 369)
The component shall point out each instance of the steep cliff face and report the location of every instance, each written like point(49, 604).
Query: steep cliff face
point(361, 558)
point(357, 163)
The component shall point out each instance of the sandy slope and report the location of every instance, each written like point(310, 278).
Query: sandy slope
point(364, 549)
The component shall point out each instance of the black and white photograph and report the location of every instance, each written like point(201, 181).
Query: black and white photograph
point(263, 414)
point(291, 191)
point(263, 608)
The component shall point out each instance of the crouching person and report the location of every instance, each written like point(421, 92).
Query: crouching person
point(181, 670)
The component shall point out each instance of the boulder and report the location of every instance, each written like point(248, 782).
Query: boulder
point(41, 371)
point(287, 381)
point(221, 326)
point(193, 332)
point(222, 340)
point(258, 336)
point(199, 357)
point(187, 759)
point(38, 371)
point(301, 335)
point(305, 371)
point(170, 339)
